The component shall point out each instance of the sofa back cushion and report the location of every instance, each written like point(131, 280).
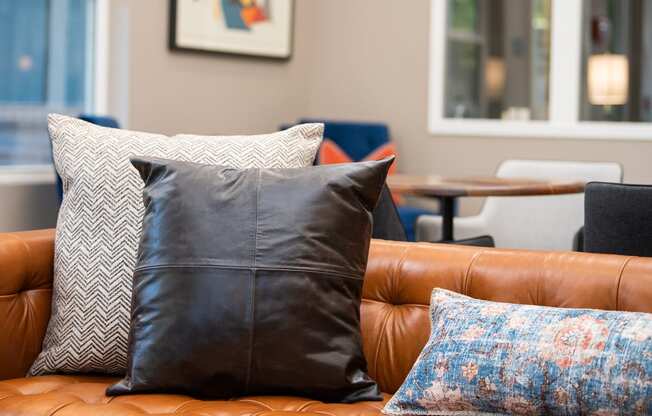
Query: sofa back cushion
point(394, 312)
point(401, 276)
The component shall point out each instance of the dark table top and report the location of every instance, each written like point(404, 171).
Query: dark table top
point(438, 186)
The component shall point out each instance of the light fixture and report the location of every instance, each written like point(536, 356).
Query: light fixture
point(494, 76)
point(608, 79)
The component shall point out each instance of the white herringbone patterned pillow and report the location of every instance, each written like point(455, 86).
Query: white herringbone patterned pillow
point(99, 227)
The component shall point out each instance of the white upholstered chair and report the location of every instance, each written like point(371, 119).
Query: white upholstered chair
point(529, 222)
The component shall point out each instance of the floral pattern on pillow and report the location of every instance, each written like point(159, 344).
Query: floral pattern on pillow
point(487, 357)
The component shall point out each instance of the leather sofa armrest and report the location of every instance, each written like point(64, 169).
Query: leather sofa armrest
point(26, 260)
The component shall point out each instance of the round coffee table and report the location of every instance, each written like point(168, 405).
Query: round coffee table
point(447, 190)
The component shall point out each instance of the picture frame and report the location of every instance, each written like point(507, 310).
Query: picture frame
point(254, 28)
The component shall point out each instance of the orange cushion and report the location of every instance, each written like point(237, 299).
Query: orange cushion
point(382, 152)
point(330, 153)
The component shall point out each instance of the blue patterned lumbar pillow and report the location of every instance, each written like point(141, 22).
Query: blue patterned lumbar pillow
point(488, 357)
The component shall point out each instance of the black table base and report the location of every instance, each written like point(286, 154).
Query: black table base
point(447, 215)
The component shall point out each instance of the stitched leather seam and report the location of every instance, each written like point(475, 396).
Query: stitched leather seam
point(130, 405)
point(13, 295)
point(252, 307)
point(256, 402)
point(184, 404)
point(63, 406)
point(30, 310)
point(52, 390)
point(10, 396)
point(620, 279)
point(386, 317)
point(256, 229)
point(396, 270)
point(416, 305)
point(252, 312)
point(306, 404)
point(380, 341)
point(467, 275)
point(227, 267)
point(202, 413)
point(539, 280)
point(323, 412)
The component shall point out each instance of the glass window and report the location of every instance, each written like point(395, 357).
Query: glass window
point(617, 60)
point(45, 66)
point(489, 42)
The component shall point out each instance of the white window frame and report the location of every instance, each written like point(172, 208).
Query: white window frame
point(565, 79)
point(101, 43)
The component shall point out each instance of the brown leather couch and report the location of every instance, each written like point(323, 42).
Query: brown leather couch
point(395, 323)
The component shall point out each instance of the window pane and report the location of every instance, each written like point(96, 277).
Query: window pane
point(489, 42)
point(23, 51)
point(617, 60)
point(44, 67)
point(464, 15)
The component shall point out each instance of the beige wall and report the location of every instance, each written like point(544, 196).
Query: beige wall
point(172, 92)
point(353, 59)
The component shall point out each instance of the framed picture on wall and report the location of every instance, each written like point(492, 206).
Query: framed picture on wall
point(244, 27)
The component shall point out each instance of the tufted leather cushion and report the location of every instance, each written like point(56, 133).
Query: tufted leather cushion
point(25, 293)
point(84, 395)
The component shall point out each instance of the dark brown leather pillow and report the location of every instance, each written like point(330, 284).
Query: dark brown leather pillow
point(249, 282)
